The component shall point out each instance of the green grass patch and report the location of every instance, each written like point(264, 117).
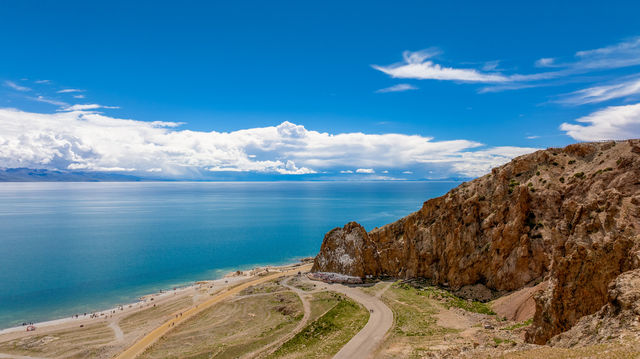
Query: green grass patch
point(450, 300)
point(326, 335)
point(526, 323)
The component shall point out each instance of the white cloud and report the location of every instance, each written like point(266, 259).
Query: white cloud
point(69, 90)
point(417, 66)
point(43, 81)
point(90, 140)
point(48, 100)
point(532, 137)
point(621, 89)
point(622, 54)
point(408, 172)
point(84, 107)
point(397, 88)
point(545, 62)
point(611, 123)
point(346, 171)
point(16, 87)
point(478, 163)
point(78, 96)
point(491, 65)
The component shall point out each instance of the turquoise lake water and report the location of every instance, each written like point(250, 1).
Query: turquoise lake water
point(70, 248)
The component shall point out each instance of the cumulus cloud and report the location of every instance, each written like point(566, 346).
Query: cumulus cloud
point(16, 87)
point(611, 123)
point(397, 88)
point(88, 140)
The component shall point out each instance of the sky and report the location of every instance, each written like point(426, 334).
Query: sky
point(364, 90)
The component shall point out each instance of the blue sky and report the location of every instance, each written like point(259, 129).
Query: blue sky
point(468, 85)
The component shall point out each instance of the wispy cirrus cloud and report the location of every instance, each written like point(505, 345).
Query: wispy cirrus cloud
point(611, 123)
point(420, 65)
point(69, 90)
point(88, 140)
point(622, 88)
point(417, 65)
point(85, 107)
point(16, 87)
point(397, 88)
point(50, 101)
point(545, 62)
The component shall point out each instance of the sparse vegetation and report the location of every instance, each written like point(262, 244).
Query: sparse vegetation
point(497, 341)
point(449, 300)
point(512, 184)
point(326, 335)
point(231, 328)
point(526, 323)
point(579, 175)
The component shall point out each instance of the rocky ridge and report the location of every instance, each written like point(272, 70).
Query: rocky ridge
point(566, 216)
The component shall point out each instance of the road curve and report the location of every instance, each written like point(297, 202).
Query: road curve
point(141, 345)
point(272, 347)
point(364, 344)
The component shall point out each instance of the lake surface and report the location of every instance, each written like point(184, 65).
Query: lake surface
point(70, 248)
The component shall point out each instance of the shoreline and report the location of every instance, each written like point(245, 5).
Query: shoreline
point(145, 301)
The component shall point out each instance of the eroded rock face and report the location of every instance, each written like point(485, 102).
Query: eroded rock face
point(569, 216)
point(619, 318)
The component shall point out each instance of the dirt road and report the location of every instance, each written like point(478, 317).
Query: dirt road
point(364, 344)
point(141, 345)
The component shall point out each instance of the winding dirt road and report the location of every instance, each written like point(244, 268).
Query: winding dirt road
point(364, 344)
point(141, 345)
point(367, 340)
point(272, 347)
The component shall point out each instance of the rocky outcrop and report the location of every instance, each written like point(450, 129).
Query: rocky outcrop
point(567, 216)
point(619, 318)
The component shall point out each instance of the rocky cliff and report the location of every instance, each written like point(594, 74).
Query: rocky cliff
point(567, 216)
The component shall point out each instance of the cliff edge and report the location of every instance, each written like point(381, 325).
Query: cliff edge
point(566, 216)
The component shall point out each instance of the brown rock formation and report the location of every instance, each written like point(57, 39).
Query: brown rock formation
point(569, 216)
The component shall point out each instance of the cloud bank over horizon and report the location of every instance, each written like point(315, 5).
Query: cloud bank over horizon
point(83, 139)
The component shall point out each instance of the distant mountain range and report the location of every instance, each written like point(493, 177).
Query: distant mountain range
point(43, 175)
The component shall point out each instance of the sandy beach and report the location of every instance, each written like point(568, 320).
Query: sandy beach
point(197, 291)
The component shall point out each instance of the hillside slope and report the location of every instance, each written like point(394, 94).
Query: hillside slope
point(566, 216)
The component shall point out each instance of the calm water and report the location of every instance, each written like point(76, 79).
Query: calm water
point(77, 247)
